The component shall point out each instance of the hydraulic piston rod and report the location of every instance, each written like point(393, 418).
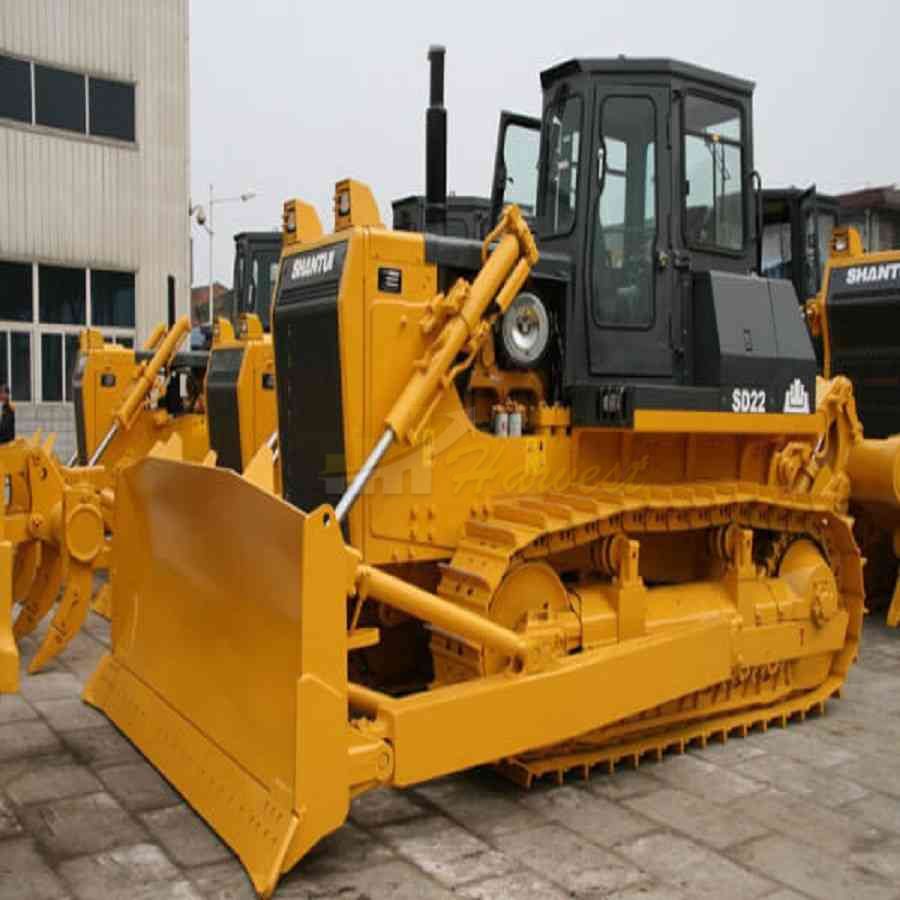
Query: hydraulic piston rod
point(445, 615)
point(364, 474)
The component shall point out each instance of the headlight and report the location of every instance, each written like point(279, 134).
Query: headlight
point(525, 330)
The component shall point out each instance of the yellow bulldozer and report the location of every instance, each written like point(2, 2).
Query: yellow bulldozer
point(853, 315)
point(57, 518)
point(546, 503)
point(217, 406)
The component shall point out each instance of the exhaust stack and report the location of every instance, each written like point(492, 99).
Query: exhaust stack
point(436, 146)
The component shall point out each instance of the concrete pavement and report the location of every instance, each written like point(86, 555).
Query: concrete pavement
point(812, 810)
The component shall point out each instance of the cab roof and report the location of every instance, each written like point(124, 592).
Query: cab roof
point(630, 66)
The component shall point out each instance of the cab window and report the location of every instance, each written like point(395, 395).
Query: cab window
point(520, 157)
point(777, 251)
point(264, 274)
point(559, 190)
point(713, 168)
point(624, 228)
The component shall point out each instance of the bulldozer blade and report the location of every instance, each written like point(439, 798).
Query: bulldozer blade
point(173, 448)
point(102, 603)
point(43, 593)
point(261, 469)
point(69, 616)
point(9, 655)
point(25, 568)
point(228, 665)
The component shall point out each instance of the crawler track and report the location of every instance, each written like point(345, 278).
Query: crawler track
point(541, 527)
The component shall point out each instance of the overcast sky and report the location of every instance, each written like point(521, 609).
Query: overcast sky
point(289, 96)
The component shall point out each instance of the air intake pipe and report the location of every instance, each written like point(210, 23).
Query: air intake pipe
point(436, 146)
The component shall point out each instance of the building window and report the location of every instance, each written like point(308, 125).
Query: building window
point(68, 100)
point(62, 295)
point(112, 298)
point(15, 363)
point(51, 368)
point(59, 353)
point(15, 292)
point(112, 109)
point(20, 366)
point(15, 89)
point(59, 99)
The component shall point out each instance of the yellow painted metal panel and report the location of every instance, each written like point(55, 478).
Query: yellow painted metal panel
point(684, 422)
point(475, 722)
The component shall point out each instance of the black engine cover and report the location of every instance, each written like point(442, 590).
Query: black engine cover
point(749, 336)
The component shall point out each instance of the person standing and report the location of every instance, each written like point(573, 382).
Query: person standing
point(7, 416)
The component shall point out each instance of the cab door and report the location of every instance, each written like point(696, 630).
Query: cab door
point(809, 262)
point(516, 164)
point(628, 279)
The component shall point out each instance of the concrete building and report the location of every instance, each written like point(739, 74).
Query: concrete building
point(94, 186)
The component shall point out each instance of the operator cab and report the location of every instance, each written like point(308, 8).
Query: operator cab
point(797, 226)
point(256, 258)
point(640, 172)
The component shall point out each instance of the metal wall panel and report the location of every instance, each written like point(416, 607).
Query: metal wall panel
point(89, 201)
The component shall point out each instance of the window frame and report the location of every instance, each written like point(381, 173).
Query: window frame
point(595, 211)
point(544, 172)
point(718, 249)
point(32, 124)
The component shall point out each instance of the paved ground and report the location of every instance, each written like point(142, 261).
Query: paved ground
point(811, 810)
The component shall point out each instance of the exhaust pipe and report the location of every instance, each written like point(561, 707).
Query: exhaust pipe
point(436, 146)
point(171, 283)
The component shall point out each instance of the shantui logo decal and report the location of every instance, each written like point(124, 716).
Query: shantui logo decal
point(796, 398)
point(875, 273)
point(311, 264)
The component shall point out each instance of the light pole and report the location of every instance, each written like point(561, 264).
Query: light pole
point(205, 220)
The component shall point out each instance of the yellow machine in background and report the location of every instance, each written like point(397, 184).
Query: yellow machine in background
point(57, 521)
point(124, 405)
point(540, 507)
point(855, 314)
point(240, 392)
